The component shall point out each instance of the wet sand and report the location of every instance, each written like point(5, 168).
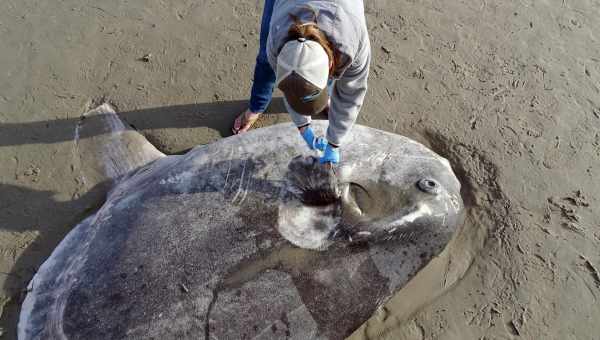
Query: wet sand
point(509, 92)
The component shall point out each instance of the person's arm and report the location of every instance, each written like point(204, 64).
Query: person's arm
point(348, 95)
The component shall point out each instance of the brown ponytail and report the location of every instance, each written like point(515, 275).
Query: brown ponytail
point(311, 31)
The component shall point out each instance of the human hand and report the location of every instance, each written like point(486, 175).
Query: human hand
point(331, 155)
point(318, 143)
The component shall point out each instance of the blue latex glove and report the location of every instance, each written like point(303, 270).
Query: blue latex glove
point(331, 155)
point(318, 143)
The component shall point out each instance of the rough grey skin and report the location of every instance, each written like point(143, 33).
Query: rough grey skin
point(219, 243)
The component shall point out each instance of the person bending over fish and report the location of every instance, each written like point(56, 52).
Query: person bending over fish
point(320, 52)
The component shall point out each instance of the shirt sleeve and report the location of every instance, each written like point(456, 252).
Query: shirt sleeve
point(348, 95)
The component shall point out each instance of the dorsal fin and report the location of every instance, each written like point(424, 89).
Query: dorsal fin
point(108, 148)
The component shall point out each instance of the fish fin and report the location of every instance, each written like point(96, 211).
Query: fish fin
point(107, 148)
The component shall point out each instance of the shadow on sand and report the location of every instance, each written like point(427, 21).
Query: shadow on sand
point(217, 115)
point(25, 210)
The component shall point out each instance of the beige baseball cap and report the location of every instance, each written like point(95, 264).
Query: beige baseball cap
point(302, 75)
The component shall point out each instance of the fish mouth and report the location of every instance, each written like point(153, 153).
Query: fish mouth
point(381, 229)
point(371, 231)
point(345, 234)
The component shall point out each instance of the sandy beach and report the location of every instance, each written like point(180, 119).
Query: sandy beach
point(507, 91)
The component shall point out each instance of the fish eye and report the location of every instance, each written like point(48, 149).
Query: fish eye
point(429, 185)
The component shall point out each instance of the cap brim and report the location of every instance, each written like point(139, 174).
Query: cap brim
point(302, 96)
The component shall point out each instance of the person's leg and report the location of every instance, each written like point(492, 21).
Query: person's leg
point(264, 76)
